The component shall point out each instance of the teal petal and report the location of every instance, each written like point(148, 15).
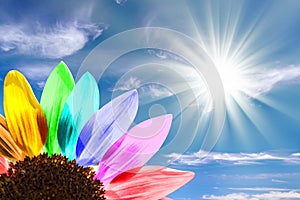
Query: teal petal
point(82, 103)
point(57, 89)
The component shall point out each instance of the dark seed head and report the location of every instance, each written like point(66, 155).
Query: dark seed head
point(49, 178)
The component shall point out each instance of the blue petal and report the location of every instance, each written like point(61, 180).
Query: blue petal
point(82, 103)
point(105, 128)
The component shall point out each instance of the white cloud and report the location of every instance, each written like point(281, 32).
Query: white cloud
point(199, 158)
point(272, 195)
point(296, 154)
point(165, 55)
point(278, 181)
point(121, 2)
point(41, 84)
point(256, 83)
point(54, 42)
point(129, 84)
point(37, 74)
point(259, 83)
point(155, 91)
point(233, 196)
point(145, 90)
point(263, 176)
point(260, 189)
point(278, 195)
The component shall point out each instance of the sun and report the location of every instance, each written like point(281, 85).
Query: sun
point(232, 76)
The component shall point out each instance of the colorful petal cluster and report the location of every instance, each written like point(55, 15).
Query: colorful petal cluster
point(67, 121)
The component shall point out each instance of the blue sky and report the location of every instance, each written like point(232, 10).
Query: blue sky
point(254, 45)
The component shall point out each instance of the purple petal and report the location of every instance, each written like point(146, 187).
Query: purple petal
point(105, 127)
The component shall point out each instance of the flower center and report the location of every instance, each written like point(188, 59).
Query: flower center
point(44, 177)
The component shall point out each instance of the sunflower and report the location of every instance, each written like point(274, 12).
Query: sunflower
point(67, 129)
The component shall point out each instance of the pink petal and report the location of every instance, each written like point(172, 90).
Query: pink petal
point(3, 165)
point(134, 148)
point(148, 182)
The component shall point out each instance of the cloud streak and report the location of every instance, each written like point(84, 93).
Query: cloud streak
point(145, 90)
point(260, 189)
point(162, 54)
point(272, 195)
point(201, 158)
point(262, 83)
point(57, 41)
point(121, 2)
point(37, 74)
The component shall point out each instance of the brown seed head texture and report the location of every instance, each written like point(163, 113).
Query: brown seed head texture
point(49, 178)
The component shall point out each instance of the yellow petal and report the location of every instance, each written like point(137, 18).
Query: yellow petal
point(25, 118)
point(8, 147)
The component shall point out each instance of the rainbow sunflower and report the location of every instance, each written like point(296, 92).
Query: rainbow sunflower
point(66, 129)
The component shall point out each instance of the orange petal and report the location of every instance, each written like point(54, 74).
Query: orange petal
point(8, 147)
point(25, 118)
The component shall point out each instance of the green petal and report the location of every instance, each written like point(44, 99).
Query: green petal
point(57, 89)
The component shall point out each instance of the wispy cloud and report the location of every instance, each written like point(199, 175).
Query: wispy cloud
point(145, 90)
point(272, 195)
point(155, 91)
point(129, 84)
point(295, 154)
point(121, 2)
point(263, 176)
point(278, 181)
point(37, 74)
point(200, 158)
point(260, 189)
point(165, 55)
point(51, 42)
point(265, 81)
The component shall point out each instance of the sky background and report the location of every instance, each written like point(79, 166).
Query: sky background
point(255, 46)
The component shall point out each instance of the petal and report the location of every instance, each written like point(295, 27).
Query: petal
point(105, 127)
point(134, 148)
point(82, 103)
point(3, 165)
point(149, 182)
point(56, 91)
point(8, 147)
point(25, 118)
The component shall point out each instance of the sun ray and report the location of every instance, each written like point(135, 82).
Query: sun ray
point(238, 121)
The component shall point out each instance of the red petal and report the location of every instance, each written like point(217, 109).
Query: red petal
point(3, 165)
point(148, 182)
